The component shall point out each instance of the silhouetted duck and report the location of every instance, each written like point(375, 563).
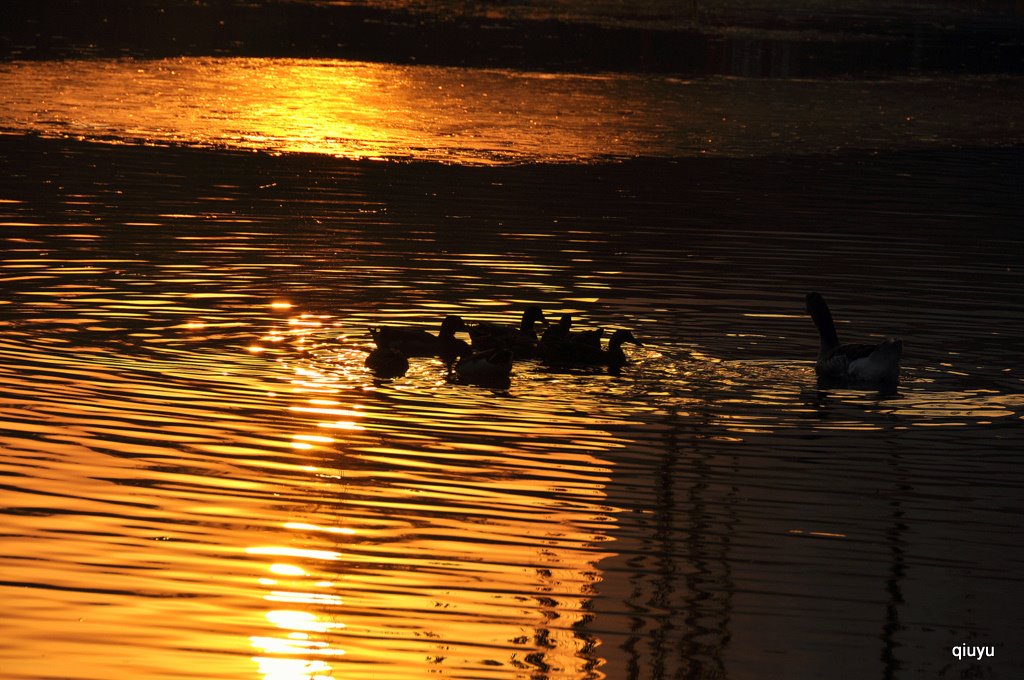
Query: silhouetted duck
point(387, 362)
point(590, 354)
point(559, 331)
point(876, 365)
point(590, 337)
point(490, 368)
point(522, 339)
point(416, 342)
point(452, 350)
point(559, 334)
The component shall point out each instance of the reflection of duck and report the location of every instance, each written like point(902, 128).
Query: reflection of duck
point(522, 339)
point(416, 342)
point(490, 368)
point(387, 362)
point(588, 351)
point(852, 364)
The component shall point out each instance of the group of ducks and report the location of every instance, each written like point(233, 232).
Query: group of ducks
point(487, 359)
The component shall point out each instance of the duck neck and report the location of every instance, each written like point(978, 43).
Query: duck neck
point(447, 330)
point(826, 326)
point(615, 354)
point(615, 344)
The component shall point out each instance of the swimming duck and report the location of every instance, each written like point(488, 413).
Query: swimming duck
point(560, 334)
point(852, 364)
point(559, 331)
point(591, 354)
point(590, 337)
point(387, 362)
point(490, 368)
point(452, 350)
point(416, 342)
point(522, 339)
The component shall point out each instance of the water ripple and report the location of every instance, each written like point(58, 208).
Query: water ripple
point(193, 444)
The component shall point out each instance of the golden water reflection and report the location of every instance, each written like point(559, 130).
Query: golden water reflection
point(399, 573)
point(478, 116)
point(264, 511)
point(468, 554)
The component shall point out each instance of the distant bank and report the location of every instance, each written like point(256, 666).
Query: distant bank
point(687, 38)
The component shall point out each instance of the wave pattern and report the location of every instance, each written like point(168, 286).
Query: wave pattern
point(201, 479)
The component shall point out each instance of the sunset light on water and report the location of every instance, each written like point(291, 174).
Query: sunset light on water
point(223, 456)
point(360, 110)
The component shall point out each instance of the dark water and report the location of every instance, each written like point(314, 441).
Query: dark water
point(202, 479)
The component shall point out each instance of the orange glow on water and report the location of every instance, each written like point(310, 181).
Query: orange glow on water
point(201, 468)
point(362, 110)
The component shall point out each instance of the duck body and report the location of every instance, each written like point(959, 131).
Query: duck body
point(416, 342)
point(590, 337)
point(489, 368)
point(587, 351)
point(387, 362)
point(521, 339)
point(559, 340)
point(852, 364)
point(452, 350)
point(860, 363)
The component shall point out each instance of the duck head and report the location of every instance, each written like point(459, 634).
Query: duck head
point(621, 336)
point(531, 315)
point(814, 302)
point(452, 324)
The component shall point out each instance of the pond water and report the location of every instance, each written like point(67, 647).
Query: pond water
point(479, 116)
point(202, 480)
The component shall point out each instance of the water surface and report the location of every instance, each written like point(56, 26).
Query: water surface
point(477, 116)
point(202, 479)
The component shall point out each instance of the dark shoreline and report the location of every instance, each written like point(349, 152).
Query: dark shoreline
point(757, 44)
